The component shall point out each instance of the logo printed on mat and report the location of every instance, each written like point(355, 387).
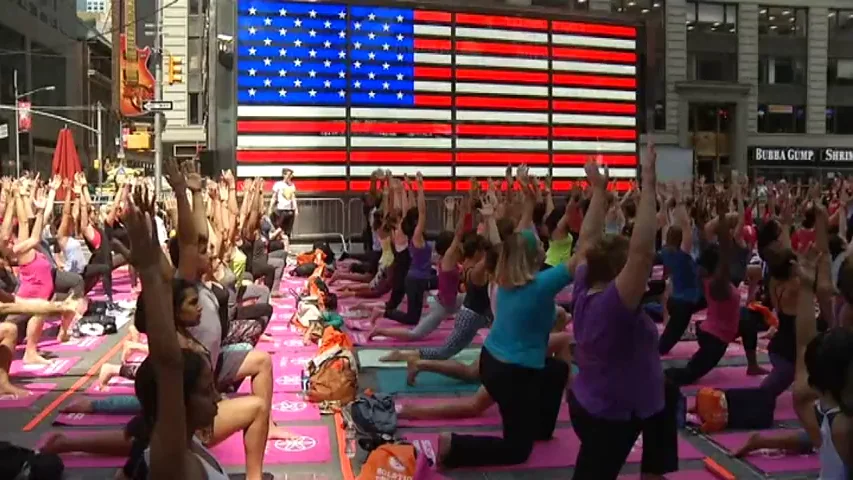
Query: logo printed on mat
point(395, 464)
point(288, 380)
point(289, 406)
point(425, 447)
point(292, 342)
point(299, 444)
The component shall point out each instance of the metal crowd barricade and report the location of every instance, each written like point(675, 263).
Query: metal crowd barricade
point(355, 218)
point(320, 219)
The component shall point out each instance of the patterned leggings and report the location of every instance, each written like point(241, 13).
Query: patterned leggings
point(465, 328)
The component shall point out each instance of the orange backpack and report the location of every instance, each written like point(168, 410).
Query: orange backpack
point(712, 407)
point(390, 461)
point(335, 338)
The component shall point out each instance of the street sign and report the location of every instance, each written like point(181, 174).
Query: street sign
point(157, 106)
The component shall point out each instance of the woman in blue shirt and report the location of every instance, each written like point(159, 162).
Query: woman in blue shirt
point(527, 386)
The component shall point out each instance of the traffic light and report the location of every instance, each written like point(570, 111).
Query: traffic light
point(176, 70)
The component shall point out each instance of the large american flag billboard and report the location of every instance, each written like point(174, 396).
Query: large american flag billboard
point(335, 91)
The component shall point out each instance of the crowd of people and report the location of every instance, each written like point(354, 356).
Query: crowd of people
point(555, 282)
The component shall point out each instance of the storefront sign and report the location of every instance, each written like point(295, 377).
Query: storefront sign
point(837, 155)
point(783, 154)
point(800, 155)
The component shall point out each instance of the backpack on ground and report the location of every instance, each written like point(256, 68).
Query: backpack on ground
point(304, 270)
point(373, 418)
point(391, 461)
point(19, 463)
point(734, 409)
point(332, 376)
point(328, 254)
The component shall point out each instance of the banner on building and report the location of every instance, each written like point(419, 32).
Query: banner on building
point(25, 118)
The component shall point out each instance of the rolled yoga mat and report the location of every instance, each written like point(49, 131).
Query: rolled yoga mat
point(369, 357)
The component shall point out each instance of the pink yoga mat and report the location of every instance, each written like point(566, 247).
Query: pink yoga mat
point(311, 446)
point(686, 349)
point(434, 339)
point(679, 475)
point(726, 377)
point(81, 344)
point(291, 407)
point(769, 461)
point(290, 382)
point(283, 330)
point(90, 419)
point(56, 368)
point(116, 386)
point(286, 344)
point(290, 362)
point(559, 452)
point(84, 460)
point(37, 390)
point(490, 417)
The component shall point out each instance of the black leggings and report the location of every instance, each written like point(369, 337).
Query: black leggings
point(285, 221)
point(711, 351)
point(606, 444)
point(416, 288)
point(98, 271)
point(266, 271)
point(529, 401)
point(680, 312)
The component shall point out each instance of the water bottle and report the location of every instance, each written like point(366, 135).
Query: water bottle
point(305, 379)
point(350, 447)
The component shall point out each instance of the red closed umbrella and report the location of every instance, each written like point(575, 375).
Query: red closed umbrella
point(66, 162)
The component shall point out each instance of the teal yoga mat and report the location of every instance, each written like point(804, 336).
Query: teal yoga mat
point(393, 380)
point(369, 358)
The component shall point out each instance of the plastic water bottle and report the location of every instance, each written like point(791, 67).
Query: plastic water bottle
point(350, 447)
point(305, 379)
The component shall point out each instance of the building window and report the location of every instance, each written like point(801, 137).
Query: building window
point(780, 70)
point(840, 22)
point(96, 5)
point(194, 100)
point(782, 21)
point(636, 7)
point(839, 120)
point(711, 17)
point(712, 67)
point(781, 119)
point(839, 71)
point(571, 5)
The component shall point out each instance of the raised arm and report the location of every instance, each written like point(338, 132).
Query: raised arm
point(65, 223)
point(720, 287)
point(592, 227)
point(187, 235)
point(418, 237)
point(169, 440)
point(632, 280)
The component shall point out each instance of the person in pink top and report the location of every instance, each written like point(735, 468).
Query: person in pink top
point(721, 325)
point(34, 269)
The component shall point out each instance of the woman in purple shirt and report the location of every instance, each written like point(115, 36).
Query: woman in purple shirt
point(619, 391)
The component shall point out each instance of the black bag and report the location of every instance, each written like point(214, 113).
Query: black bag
point(96, 307)
point(95, 326)
point(374, 420)
point(305, 270)
point(749, 408)
point(19, 463)
point(327, 250)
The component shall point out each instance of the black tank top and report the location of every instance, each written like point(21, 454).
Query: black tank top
point(476, 296)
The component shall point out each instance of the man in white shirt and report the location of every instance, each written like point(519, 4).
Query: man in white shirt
point(283, 203)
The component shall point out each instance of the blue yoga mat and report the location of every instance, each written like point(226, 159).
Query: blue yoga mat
point(393, 380)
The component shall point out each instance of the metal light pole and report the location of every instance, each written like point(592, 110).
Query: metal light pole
point(158, 94)
point(46, 88)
